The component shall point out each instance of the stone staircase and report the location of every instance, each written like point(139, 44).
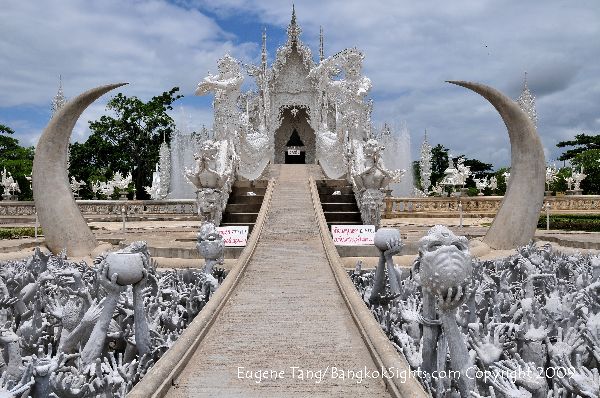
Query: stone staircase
point(242, 208)
point(339, 209)
point(285, 315)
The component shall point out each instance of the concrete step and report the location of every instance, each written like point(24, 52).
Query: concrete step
point(327, 207)
point(329, 224)
point(248, 218)
point(324, 190)
point(242, 207)
point(332, 183)
point(258, 199)
point(337, 198)
point(243, 191)
point(334, 216)
point(254, 184)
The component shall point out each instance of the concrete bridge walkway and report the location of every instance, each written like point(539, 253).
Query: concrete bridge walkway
point(286, 320)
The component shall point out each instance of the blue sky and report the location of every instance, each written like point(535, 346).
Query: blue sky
point(411, 48)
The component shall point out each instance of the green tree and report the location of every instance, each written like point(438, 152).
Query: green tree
point(560, 184)
point(416, 170)
point(478, 169)
point(16, 159)
point(439, 163)
point(126, 143)
point(501, 180)
point(582, 143)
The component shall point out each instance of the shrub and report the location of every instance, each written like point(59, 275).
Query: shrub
point(19, 232)
point(572, 222)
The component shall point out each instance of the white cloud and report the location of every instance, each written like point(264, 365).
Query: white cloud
point(411, 48)
point(153, 45)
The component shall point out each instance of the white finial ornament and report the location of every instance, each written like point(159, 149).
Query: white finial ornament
point(59, 99)
point(526, 102)
point(293, 29)
point(321, 48)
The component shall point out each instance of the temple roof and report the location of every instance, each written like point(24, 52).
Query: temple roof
point(293, 44)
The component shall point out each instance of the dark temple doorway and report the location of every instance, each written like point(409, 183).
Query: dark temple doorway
point(295, 133)
point(294, 150)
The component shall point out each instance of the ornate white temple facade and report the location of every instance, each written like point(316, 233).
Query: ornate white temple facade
point(300, 112)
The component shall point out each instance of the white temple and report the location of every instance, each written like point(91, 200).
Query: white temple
point(301, 112)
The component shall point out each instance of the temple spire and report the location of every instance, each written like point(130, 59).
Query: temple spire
point(264, 50)
point(321, 51)
point(293, 29)
point(526, 102)
point(59, 99)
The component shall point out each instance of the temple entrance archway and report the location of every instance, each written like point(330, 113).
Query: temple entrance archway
point(295, 138)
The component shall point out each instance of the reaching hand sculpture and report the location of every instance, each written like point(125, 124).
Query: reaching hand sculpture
point(533, 319)
point(95, 344)
point(388, 241)
point(9, 389)
point(78, 332)
point(9, 342)
point(526, 375)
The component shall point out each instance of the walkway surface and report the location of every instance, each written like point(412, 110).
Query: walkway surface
point(286, 317)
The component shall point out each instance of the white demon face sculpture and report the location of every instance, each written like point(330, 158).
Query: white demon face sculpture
point(444, 262)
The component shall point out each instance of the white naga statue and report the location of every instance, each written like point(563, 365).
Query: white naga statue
point(212, 176)
point(369, 178)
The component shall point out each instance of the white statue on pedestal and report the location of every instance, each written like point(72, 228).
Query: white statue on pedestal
point(369, 178)
point(481, 184)
point(10, 186)
point(155, 189)
point(76, 186)
point(577, 178)
point(551, 176)
point(493, 184)
point(569, 181)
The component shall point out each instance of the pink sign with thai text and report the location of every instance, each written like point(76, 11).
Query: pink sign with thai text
point(235, 235)
point(353, 235)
